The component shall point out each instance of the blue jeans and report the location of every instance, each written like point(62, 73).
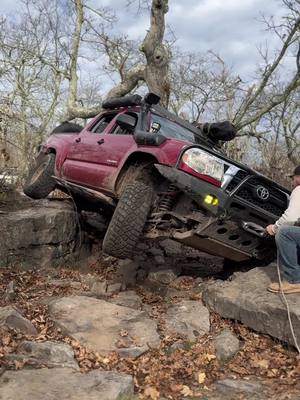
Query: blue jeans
point(288, 243)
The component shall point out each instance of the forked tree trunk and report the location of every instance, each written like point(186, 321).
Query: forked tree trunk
point(157, 55)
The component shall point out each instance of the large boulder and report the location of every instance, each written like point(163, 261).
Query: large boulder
point(64, 384)
point(104, 327)
point(246, 299)
point(188, 318)
point(38, 235)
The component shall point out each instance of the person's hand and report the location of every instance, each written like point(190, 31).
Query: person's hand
point(270, 230)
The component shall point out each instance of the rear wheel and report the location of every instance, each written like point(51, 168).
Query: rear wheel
point(40, 182)
point(129, 218)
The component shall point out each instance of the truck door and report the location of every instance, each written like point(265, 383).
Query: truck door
point(95, 155)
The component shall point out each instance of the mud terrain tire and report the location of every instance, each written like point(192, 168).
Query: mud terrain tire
point(40, 182)
point(128, 220)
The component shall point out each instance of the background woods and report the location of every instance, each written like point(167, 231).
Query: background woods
point(60, 59)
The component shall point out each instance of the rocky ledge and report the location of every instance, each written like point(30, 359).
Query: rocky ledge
point(245, 298)
point(38, 234)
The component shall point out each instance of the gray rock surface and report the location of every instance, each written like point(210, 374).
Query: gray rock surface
point(49, 354)
point(126, 273)
point(246, 299)
point(37, 235)
point(227, 345)
point(246, 389)
point(12, 318)
point(105, 327)
point(238, 385)
point(64, 384)
point(171, 247)
point(188, 318)
point(99, 289)
point(127, 299)
point(64, 283)
point(104, 289)
point(10, 293)
point(113, 288)
point(239, 389)
point(164, 275)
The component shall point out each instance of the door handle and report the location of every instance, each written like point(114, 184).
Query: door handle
point(78, 140)
point(100, 141)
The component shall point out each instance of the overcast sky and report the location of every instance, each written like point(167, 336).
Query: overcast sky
point(232, 28)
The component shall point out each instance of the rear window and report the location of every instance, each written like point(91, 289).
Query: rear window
point(172, 130)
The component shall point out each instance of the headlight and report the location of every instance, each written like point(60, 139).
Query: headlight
point(203, 163)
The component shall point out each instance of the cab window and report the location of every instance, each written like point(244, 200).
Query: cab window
point(100, 125)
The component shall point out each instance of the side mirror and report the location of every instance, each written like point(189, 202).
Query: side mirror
point(126, 121)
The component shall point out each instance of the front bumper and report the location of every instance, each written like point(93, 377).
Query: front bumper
point(230, 233)
point(195, 188)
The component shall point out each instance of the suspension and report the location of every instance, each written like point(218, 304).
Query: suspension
point(168, 198)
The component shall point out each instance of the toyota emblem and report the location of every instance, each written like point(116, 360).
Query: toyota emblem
point(262, 193)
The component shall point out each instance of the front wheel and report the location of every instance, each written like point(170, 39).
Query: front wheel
point(40, 182)
point(129, 219)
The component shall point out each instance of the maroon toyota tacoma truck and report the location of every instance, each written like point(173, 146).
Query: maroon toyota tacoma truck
point(154, 175)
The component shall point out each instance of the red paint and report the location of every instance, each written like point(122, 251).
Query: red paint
point(81, 159)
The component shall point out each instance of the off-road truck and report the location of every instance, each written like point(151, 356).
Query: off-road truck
point(154, 175)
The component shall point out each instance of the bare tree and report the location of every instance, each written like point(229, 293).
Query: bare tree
point(154, 72)
point(31, 85)
point(157, 54)
point(258, 99)
point(202, 86)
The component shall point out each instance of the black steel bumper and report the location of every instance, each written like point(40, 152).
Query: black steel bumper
point(195, 188)
point(233, 231)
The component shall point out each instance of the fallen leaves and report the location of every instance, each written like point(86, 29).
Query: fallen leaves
point(263, 363)
point(165, 372)
point(201, 376)
point(151, 392)
point(210, 357)
point(186, 391)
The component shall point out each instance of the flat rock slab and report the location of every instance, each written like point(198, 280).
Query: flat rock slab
point(64, 384)
point(246, 299)
point(188, 318)
point(104, 327)
point(49, 354)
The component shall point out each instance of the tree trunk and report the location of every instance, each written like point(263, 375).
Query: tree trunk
point(157, 55)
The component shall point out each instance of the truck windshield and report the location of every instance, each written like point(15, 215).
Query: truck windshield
point(170, 129)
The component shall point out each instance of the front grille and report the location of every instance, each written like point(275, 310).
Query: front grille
point(276, 204)
point(239, 176)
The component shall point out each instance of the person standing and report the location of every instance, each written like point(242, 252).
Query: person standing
point(287, 237)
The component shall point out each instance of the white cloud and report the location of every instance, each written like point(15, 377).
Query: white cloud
point(230, 28)
point(7, 7)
